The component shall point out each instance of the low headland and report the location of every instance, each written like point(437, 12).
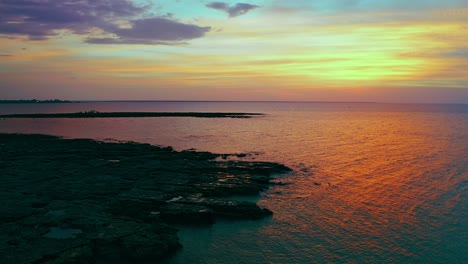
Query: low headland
point(96, 114)
point(87, 201)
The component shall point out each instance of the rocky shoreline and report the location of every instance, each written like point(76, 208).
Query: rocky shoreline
point(85, 201)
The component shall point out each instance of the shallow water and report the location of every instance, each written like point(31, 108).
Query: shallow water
point(372, 183)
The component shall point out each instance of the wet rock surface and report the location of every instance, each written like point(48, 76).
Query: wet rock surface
point(85, 201)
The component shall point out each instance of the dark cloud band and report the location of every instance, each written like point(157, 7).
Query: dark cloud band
point(154, 31)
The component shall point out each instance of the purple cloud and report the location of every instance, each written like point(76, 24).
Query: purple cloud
point(152, 31)
point(234, 10)
point(40, 19)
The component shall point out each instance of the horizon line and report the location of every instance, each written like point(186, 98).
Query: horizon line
point(269, 101)
point(239, 101)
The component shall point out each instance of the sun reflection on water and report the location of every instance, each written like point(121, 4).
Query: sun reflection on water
point(371, 183)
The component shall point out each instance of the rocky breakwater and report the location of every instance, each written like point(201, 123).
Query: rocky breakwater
point(85, 201)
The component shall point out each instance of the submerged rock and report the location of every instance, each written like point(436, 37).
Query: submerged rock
point(63, 233)
point(70, 201)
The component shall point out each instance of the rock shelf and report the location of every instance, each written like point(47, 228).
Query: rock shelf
point(96, 114)
point(86, 201)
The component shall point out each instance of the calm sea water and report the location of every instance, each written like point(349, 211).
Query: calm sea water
point(372, 183)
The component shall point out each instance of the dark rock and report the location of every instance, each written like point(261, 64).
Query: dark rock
point(78, 255)
point(238, 210)
point(145, 247)
point(82, 201)
point(135, 242)
point(193, 214)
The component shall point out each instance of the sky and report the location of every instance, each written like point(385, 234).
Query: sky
point(261, 50)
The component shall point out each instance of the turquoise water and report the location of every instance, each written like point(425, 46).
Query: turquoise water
point(372, 183)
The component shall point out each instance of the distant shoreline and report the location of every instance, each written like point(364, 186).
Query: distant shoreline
point(34, 101)
point(95, 114)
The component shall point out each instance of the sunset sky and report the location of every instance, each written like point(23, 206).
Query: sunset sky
point(321, 50)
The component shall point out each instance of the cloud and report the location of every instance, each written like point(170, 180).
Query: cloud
point(461, 53)
point(155, 30)
point(234, 10)
point(41, 19)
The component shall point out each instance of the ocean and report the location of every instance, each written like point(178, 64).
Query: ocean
point(372, 183)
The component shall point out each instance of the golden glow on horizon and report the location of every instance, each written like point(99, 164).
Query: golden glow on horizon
point(331, 56)
point(295, 56)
